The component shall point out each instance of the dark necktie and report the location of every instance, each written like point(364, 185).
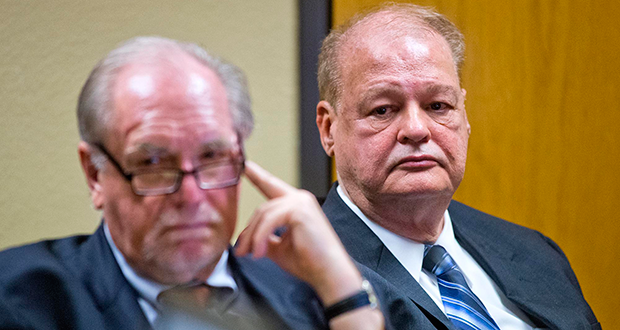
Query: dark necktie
point(193, 307)
point(191, 297)
point(462, 306)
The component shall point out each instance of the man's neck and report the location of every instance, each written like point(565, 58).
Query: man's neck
point(419, 218)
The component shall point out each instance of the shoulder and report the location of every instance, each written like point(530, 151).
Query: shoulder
point(510, 252)
point(484, 235)
point(471, 222)
point(42, 284)
point(474, 228)
point(42, 259)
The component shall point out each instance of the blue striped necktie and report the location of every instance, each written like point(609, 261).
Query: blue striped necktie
point(462, 306)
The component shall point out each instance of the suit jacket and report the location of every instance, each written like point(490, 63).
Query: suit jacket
point(528, 267)
point(75, 283)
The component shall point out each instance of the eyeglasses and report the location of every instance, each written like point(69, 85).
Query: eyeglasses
point(214, 175)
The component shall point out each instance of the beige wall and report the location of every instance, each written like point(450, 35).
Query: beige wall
point(46, 52)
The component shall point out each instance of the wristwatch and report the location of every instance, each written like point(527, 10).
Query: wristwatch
point(365, 297)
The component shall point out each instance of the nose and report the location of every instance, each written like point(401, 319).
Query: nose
point(189, 191)
point(414, 125)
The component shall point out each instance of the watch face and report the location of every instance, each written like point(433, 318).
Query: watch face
point(372, 297)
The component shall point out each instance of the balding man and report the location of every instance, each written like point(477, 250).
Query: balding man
point(392, 114)
point(162, 125)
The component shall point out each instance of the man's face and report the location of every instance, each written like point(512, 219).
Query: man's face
point(401, 130)
point(167, 117)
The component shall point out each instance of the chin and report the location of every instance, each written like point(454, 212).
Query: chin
point(186, 262)
point(420, 186)
point(419, 192)
point(198, 253)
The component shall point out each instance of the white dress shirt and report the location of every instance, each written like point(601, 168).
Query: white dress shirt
point(149, 290)
point(410, 254)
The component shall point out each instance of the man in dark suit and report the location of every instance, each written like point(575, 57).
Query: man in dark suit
point(392, 114)
point(162, 125)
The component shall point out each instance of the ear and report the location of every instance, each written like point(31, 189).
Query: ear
point(325, 121)
point(91, 172)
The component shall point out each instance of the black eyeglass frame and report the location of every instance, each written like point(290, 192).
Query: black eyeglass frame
point(180, 175)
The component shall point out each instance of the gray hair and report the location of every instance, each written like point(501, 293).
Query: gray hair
point(330, 84)
point(95, 101)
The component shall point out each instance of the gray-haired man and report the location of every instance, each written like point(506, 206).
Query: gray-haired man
point(162, 126)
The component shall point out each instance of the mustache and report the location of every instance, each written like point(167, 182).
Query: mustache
point(417, 153)
point(175, 217)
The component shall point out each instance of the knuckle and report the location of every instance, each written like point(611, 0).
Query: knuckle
point(306, 196)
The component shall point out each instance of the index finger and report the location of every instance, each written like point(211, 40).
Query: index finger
point(267, 183)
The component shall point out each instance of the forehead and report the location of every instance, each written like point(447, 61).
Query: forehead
point(404, 51)
point(174, 97)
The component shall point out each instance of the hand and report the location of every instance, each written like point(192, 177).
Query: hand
point(309, 247)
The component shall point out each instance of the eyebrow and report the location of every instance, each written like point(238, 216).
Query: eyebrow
point(217, 144)
point(149, 149)
point(386, 89)
point(379, 90)
point(443, 89)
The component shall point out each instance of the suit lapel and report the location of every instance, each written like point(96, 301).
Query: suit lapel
point(366, 248)
point(102, 277)
point(391, 269)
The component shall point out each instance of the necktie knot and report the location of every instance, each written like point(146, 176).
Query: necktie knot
point(462, 306)
point(437, 260)
point(194, 296)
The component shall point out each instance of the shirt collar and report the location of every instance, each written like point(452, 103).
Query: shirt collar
point(149, 290)
point(408, 252)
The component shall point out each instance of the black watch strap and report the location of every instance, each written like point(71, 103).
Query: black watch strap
point(365, 297)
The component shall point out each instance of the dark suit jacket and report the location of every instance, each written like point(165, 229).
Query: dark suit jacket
point(528, 267)
point(75, 283)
